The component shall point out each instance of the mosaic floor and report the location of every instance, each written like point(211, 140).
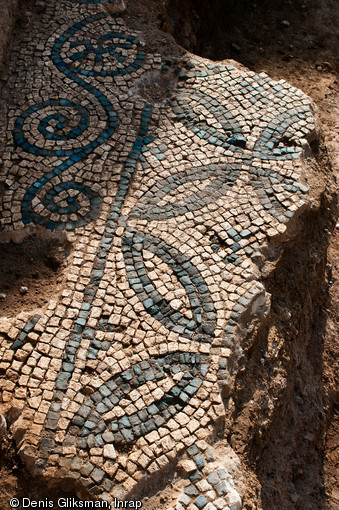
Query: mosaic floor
point(172, 207)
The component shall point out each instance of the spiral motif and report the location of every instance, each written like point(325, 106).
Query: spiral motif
point(63, 120)
point(61, 128)
point(67, 206)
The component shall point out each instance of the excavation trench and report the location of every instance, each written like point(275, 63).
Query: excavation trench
point(251, 32)
point(278, 420)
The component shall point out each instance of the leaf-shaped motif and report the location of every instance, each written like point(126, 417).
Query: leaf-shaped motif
point(276, 141)
point(201, 326)
point(186, 106)
point(282, 125)
point(267, 183)
point(94, 415)
point(222, 178)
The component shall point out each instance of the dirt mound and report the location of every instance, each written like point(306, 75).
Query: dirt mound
point(31, 272)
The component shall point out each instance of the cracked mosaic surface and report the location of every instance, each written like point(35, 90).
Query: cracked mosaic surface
point(169, 206)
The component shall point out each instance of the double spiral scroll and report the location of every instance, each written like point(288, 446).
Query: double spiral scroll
point(63, 129)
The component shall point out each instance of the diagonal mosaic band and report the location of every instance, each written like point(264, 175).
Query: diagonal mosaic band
point(171, 207)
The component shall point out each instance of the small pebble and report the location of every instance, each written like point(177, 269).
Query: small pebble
point(235, 47)
point(3, 426)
